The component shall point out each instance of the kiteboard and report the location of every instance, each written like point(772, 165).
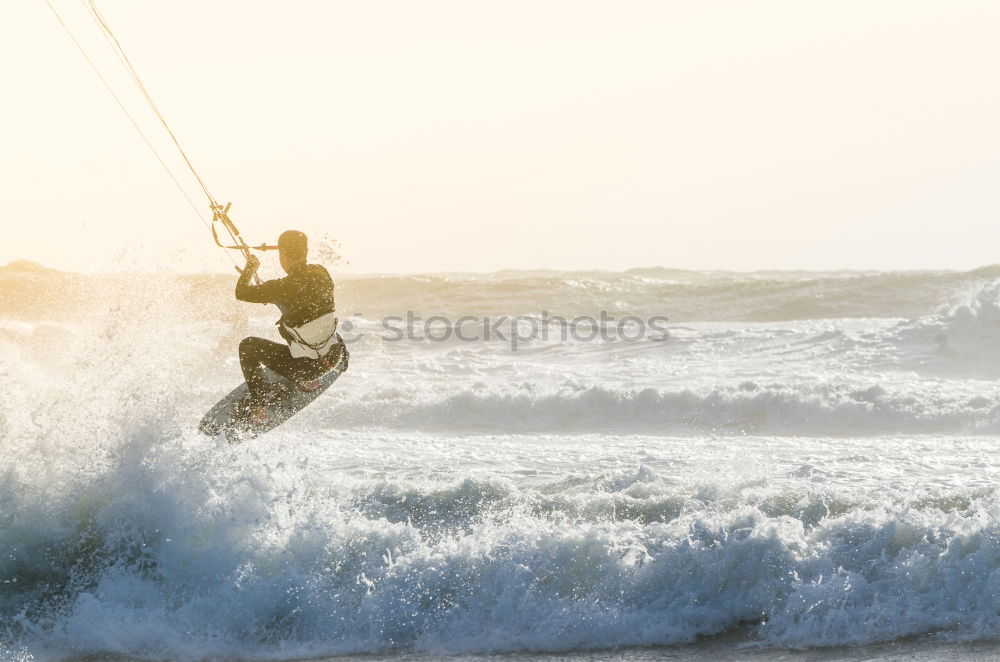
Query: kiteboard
point(231, 416)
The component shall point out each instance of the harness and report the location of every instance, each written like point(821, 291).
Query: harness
point(299, 347)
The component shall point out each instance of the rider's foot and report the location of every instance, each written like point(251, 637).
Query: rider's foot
point(259, 415)
point(310, 385)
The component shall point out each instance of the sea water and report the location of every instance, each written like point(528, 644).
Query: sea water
point(797, 465)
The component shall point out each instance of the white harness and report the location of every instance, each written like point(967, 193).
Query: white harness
point(312, 340)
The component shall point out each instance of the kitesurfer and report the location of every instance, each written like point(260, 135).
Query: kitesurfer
point(308, 324)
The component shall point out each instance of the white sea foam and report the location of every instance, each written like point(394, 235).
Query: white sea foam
point(806, 482)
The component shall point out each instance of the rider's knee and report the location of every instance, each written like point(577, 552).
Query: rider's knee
point(247, 345)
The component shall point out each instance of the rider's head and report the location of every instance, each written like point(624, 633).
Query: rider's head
point(292, 249)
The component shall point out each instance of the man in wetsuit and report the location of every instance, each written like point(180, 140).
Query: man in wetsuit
point(308, 324)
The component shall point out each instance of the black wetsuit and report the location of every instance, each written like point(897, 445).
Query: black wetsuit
point(303, 295)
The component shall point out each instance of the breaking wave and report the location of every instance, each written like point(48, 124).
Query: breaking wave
point(745, 408)
point(187, 553)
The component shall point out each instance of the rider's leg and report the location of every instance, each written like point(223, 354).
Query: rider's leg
point(256, 353)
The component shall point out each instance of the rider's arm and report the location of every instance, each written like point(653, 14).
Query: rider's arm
point(266, 292)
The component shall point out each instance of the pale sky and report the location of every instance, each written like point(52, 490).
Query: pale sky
point(465, 135)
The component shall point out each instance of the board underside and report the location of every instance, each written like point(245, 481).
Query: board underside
point(231, 417)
